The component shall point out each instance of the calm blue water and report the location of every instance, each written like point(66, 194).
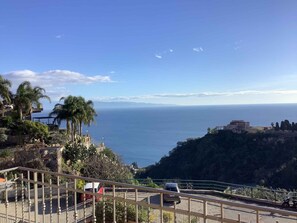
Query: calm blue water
point(144, 135)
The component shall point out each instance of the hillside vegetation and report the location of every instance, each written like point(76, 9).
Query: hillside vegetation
point(267, 158)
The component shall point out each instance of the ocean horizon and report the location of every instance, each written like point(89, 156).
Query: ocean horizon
point(145, 135)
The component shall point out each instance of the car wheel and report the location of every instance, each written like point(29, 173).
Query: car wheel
point(285, 205)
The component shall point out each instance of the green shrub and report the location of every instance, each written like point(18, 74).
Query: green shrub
point(3, 136)
point(167, 217)
point(5, 153)
point(56, 137)
point(120, 212)
point(148, 182)
point(259, 192)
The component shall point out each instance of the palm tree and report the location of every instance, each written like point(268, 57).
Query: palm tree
point(90, 113)
point(63, 112)
point(26, 97)
point(4, 91)
point(75, 111)
point(85, 112)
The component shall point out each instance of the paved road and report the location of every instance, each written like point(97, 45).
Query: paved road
point(230, 212)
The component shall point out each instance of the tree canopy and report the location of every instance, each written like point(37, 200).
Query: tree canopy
point(76, 111)
point(4, 90)
point(26, 97)
point(268, 159)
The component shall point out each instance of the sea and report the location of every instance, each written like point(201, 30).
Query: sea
point(145, 135)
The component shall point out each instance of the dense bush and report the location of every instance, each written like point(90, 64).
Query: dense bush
point(34, 130)
point(102, 166)
point(6, 153)
point(56, 137)
point(259, 192)
point(74, 152)
point(3, 136)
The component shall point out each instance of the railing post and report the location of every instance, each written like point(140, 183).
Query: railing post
point(94, 203)
point(161, 207)
point(59, 203)
point(148, 210)
point(239, 218)
point(189, 209)
point(6, 197)
point(43, 198)
point(51, 200)
point(84, 202)
point(75, 202)
point(114, 203)
point(205, 211)
point(16, 199)
point(257, 216)
point(35, 197)
point(125, 207)
point(23, 199)
point(222, 213)
point(29, 196)
point(136, 205)
point(174, 216)
point(103, 204)
point(67, 205)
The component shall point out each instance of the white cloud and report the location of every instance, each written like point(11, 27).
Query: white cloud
point(171, 50)
point(158, 56)
point(198, 49)
point(54, 77)
point(53, 80)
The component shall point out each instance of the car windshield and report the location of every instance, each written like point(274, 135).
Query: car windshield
point(171, 189)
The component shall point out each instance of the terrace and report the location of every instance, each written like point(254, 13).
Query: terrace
point(30, 195)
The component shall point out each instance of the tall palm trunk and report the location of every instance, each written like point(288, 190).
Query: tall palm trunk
point(80, 127)
point(20, 111)
point(68, 127)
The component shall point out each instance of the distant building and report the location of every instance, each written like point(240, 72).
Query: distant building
point(238, 126)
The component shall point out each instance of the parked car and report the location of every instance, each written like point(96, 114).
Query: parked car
point(171, 197)
point(89, 187)
point(290, 200)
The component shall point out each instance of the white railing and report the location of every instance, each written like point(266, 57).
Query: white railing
point(43, 196)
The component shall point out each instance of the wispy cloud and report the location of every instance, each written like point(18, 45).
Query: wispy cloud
point(59, 36)
point(198, 49)
point(198, 95)
point(237, 45)
point(158, 56)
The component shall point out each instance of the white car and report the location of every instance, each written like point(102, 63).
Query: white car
point(98, 189)
point(171, 197)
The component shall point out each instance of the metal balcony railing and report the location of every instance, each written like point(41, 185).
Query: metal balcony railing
point(30, 195)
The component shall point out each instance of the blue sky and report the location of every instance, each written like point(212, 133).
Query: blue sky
point(171, 52)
